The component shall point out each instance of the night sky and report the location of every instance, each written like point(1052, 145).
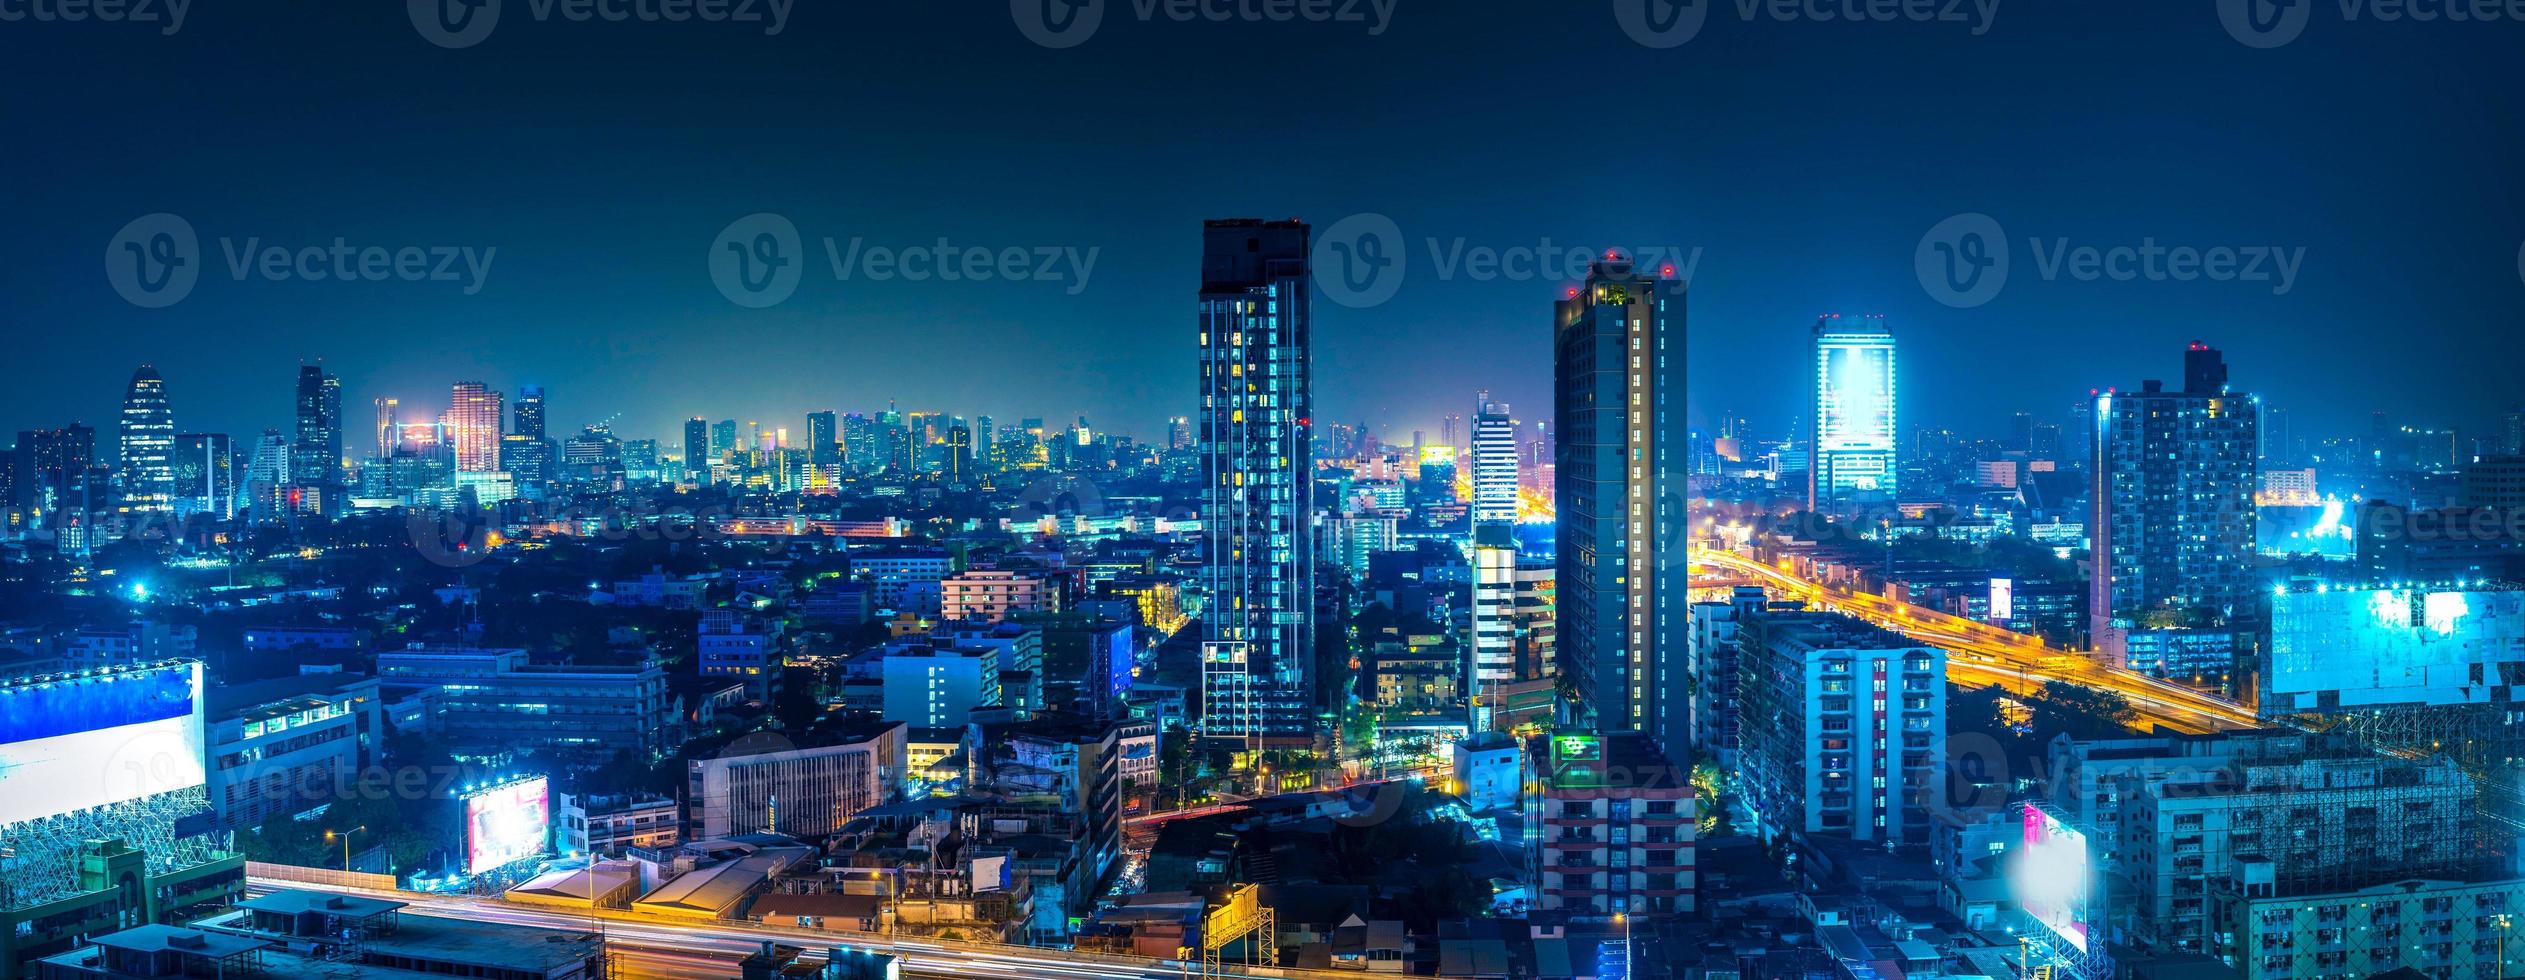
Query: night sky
point(1805, 160)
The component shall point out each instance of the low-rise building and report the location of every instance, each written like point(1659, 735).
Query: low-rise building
point(804, 792)
point(607, 825)
point(278, 746)
point(2440, 928)
point(493, 702)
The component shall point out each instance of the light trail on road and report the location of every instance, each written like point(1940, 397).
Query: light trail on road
point(1983, 653)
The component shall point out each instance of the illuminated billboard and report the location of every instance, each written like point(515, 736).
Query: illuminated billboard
point(2349, 648)
point(2052, 876)
point(70, 742)
point(506, 824)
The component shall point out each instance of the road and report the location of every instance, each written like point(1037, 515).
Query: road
point(650, 946)
point(1979, 653)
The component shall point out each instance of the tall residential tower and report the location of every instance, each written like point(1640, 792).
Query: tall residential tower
point(1621, 488)
point(1257, 674)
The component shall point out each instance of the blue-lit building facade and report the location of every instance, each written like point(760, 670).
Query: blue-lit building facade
point(1622, 485)
point(1259, 483)
point(1854, 413)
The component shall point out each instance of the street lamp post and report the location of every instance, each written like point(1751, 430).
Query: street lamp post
point(346, 844)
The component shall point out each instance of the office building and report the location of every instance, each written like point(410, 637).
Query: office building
point(282, 746)
point(1849, 734)
point(1494, 465)
point(769, 786)
point(473, 425)
point(697, 455)
point(1853, 444)
point(1622, 491)
point(491, 702)
point(824, 443)
point(146, 447)
point(389, 426)
point(1611, 823)
point(1258, 466)
point(315, 448)
point(2173, 519)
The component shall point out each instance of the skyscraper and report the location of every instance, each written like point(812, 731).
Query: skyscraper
point(824, 444)
point(530, 412)
point(147, 443)
point(959, 457)
point(1257, 676)
point(697, 450)
point(2174, 517)
point(1621, 490)
point(388, 427)
point(1854, 413)
point(473, 424)
point(1494, 466)
point(859, 444)
point(315, 449)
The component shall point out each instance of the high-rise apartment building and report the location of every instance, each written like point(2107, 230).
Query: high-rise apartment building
point(1494, 465)
point(147, 444)
point(1493, 664)
point(2173, 517)
point(315, 449)
point(1847, 728)
point(1257, 679)
point(1621, 490)
point(1854, 413)
point(473, 424)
